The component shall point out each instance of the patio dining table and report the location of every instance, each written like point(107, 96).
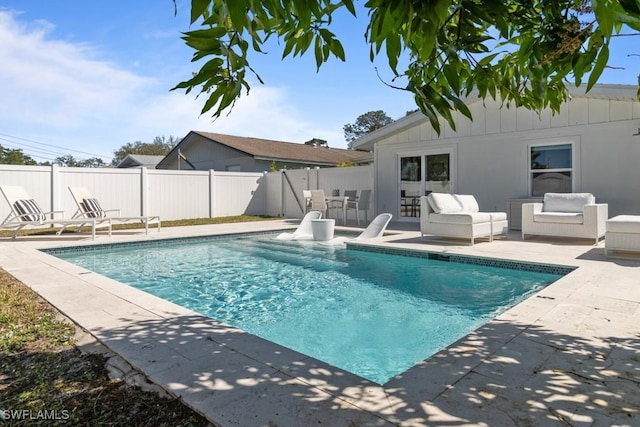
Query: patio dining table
point(340, 199)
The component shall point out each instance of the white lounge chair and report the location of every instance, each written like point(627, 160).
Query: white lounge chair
point(304, 231)
point(90, 208)
point(25, 212)
point(373, 230)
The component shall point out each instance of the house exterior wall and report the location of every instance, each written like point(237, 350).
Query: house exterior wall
point(205, 155)
point(491, 153)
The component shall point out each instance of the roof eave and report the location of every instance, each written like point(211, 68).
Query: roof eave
point(308, 162)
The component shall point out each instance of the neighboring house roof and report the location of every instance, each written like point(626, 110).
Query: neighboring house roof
point(265, 149)
point(602, 91)
point(140, 160)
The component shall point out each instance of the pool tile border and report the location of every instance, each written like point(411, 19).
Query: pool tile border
point(561, 270)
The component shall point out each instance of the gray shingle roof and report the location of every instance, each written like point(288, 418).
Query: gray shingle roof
point(269, 149)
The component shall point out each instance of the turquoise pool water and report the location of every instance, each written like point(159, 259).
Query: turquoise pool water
point(373, 314)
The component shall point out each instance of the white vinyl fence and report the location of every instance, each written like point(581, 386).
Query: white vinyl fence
point(176, 194)
point(285, 187)
point(140, 191)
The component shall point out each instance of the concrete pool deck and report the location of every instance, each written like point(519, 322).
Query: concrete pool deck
point(569, 355)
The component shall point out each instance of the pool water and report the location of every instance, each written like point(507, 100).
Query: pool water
point(372, 314)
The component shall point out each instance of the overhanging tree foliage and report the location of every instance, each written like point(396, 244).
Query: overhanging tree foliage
point(520, 51)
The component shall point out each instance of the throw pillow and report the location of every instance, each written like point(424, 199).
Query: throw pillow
point(93, 209)
point(28, 210)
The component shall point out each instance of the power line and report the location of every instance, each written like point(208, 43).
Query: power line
point(66, 150)
point(13, 144)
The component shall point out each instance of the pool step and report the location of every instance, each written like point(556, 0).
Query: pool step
point(303, 254)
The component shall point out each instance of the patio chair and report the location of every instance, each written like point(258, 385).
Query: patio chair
point(319, 202)
point(304, 231)
point(361, 203)
point(89, 207)
point(25, 212)
point(373, 230)
point(306, 194)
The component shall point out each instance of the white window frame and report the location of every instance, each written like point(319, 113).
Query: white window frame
point(574, 169)
point(450, 149)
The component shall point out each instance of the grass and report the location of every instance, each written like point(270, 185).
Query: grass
point(136, 225)
point(44, 373)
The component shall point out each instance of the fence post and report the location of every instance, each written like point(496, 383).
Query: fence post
point(54, 190)
point(265, 193)
point(212, 194)
point(144, 194)
point(317, 177)
point(282, 195)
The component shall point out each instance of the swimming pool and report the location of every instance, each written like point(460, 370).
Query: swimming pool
point(373, 314)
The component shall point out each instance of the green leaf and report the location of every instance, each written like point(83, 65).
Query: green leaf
point(238, 14)
point(349, 5)
point(601, 62)
point(451, 73)
point(198, 9)
point(318, 52)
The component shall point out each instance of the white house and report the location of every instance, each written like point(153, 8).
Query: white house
point(508, 154)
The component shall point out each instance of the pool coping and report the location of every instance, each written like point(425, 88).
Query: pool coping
point(234, 378)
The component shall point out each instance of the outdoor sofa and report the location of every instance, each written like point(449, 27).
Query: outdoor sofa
point(459, 216)
point(566, 215)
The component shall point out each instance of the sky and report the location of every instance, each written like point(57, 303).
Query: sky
point(85, 78)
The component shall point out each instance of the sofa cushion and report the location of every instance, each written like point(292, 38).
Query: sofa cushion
point(468, 202)
point(443, 203)
point(624, 224)
point(559, 217)
point(460, 218)
point(567, 202)
point(498, 216)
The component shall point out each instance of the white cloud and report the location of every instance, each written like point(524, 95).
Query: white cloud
point(62, 93)
point(54, 83)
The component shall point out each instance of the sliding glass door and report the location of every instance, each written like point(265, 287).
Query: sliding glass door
point(420, 174)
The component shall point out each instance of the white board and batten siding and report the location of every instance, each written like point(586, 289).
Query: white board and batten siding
point(491, 153)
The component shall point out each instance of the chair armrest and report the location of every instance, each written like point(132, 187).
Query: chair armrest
point(528, 211)
point(112, 210)
point(52, 214)
point(533, 207)
point(596, 215)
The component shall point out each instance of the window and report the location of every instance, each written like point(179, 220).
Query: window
point(551, 169)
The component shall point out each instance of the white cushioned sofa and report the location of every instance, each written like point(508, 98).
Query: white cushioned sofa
point(566, 215)
point(459, 216)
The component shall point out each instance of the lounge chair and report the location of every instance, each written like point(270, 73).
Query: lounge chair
point(373, 230)
point(304, 231)
point(25, 212)
point(89, 208)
